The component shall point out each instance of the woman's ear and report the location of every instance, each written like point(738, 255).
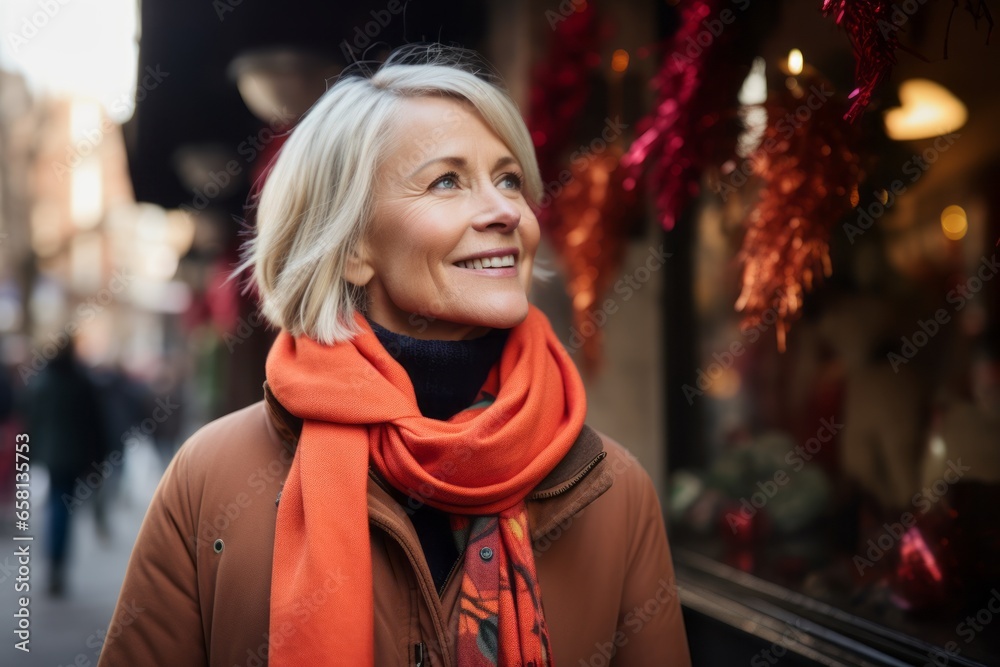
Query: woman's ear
point(359, 269)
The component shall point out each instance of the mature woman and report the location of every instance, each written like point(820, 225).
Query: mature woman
point(418, 486)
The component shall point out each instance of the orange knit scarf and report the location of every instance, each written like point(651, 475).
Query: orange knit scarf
point(358, 408)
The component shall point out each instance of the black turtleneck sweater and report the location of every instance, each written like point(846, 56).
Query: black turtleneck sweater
point(447, 376)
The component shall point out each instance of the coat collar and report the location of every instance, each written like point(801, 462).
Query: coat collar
point(574, 483)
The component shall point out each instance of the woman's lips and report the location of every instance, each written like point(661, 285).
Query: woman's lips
point(494, 258)
point(498, 263)
point(496, 272)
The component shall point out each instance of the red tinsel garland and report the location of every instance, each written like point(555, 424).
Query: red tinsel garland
point(584, 208)
point(810, 175)
point(595, 209)
point(561, 87)
point(874, 37)
point(674, 172)
point(688, 127)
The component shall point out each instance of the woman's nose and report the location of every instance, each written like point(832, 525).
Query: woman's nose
point(498, 212)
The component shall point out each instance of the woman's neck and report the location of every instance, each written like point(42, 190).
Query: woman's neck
point(446, 374)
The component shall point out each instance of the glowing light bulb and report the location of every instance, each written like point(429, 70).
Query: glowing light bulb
point(795, 62)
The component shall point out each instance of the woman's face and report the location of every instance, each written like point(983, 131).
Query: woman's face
point(453, 240)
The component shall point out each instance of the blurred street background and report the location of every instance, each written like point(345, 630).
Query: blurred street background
point(71, 626)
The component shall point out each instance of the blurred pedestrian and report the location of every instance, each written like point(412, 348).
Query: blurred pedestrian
point(68, 435)
point(123, 401)
point(6, 437)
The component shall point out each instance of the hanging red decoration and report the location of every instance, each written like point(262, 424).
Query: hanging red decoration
point(685, 132)
point(593, 207)
point(979, 10)
point(810, 176)
point(560, 88)
point(873, 27)
point(874, 34)
point(584, 209)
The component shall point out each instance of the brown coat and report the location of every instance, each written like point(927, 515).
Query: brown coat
point(197, 586)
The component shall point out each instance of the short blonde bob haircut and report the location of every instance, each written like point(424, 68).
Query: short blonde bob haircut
point(317, 201)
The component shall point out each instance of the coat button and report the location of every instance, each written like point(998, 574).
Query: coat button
point(218, 546)
point(486, 553)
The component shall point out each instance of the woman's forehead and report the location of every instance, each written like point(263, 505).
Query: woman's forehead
point(435, 128)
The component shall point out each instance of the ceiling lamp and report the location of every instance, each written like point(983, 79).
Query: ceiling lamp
point(928, 110)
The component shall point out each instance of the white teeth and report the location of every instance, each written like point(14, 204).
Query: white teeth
point(488, 262)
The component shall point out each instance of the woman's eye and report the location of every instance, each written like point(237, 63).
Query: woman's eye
point(512, 180)
point(448, 181)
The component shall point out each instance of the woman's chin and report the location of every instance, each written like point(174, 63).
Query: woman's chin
point(512, 313)
point(505, 315)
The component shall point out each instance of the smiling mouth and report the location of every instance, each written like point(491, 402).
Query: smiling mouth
point(499, 262)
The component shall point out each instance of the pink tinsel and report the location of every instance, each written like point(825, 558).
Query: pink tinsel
point(678, 139)
point(874, 37)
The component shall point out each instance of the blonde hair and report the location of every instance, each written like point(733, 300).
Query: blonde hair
point(317, 201)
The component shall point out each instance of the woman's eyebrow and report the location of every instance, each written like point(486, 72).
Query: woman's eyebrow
point(460, 163)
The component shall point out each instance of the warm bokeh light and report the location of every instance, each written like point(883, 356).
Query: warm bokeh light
point(754, 89)
point(954, 222)
point(619, 60)
point(727, 385)
point(795, 61)
point(928, 110)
